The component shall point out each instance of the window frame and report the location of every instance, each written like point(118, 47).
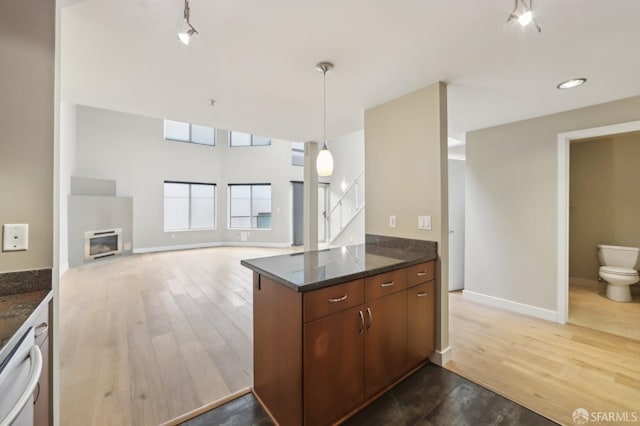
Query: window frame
point(251, 144)
point(294, 150)
point(190, 140)
point(251, 185)
point(190, 229)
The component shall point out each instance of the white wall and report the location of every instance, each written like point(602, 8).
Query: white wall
point(131, 150)
point(348, 152)
point(511, 204)
point(27, 37)
point(456, 170)
point(67, 154)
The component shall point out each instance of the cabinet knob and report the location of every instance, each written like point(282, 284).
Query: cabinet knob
point(338, 299)
point(388, 284)
point(422, 294)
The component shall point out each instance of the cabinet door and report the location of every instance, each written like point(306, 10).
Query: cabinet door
point(421, 304)
point(41, 406)
point(385, 341)
point(333, 366)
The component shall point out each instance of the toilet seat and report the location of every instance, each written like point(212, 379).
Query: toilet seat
point(618, 270)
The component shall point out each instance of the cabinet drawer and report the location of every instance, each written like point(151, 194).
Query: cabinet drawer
point(421, 273)
point(332, 299)
point(383, 284)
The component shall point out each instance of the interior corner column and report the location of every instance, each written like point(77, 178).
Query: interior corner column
point(310, 197)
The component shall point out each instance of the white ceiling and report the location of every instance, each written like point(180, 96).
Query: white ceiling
point(257, 58)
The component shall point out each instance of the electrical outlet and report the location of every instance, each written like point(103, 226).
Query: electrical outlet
point(392, 221)
point(424, 222)
point(16, 237)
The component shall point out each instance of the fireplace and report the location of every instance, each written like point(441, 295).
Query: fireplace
point(100, 244)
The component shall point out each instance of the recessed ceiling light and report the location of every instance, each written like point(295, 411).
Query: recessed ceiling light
point(570, 84)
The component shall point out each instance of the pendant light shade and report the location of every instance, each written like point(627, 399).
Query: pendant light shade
point(324, 161)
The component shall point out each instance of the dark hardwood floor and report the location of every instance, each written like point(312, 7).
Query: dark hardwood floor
point(431, 396)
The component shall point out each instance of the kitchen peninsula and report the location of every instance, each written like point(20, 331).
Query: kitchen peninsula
point(334, 329)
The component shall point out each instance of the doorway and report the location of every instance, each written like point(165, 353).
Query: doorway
point(564, 141)
point(297, 195)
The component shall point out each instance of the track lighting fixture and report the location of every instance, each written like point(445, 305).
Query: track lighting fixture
point(523, 14)
point(186, 29)
point(324, 161)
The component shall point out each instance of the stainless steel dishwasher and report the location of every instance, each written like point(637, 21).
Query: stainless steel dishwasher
point(19, 375)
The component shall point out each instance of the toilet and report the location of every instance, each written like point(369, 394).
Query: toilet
point(619, 269)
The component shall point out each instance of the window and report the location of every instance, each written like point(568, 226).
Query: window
point(187, 132)
point(246, 139)
point(189, 206)
point(250, 206)
point(297, 153)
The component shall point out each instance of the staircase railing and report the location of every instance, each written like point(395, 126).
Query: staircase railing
point(347, 207)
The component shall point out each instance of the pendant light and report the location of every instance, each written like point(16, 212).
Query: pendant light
point(186, 29)
point(324, 161)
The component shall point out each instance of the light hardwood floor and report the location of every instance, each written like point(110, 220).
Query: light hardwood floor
point(589, 307)
point(550, 368)
point(147, 338)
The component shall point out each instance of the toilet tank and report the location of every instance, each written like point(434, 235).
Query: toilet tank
point(626, 257)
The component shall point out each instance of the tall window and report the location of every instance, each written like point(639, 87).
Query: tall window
point(250, 206)
point(187, 132)
point(189, 206)
point(297, 153)
point(246, 139)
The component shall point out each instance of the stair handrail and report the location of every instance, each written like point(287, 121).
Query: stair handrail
point(346, 191)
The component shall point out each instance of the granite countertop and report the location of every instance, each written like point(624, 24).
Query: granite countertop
point(312, 270)
point(21, 295)
point(15, 310)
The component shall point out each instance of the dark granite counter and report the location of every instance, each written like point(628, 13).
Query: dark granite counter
point(312, 270)
point(22, 294)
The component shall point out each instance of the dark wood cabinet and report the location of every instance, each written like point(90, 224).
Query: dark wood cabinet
point(421, 328)
point(321, 355)
point(334, 359)
point(385, 341)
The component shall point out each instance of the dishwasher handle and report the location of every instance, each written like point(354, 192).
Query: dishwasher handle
point(34, 378)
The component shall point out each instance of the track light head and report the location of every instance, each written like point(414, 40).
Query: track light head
point(523, 14)
point(186, 29)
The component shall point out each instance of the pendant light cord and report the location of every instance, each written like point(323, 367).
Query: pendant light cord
point(324, 109)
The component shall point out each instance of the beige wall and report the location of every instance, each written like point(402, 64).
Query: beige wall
point(26, 118)
point(511, 203)
point(604, 199)
point(406, 166)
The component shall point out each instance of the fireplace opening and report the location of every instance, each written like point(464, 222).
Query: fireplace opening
point(99, 244)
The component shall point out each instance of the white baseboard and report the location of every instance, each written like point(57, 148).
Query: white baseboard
point(251, 244)
point(63, 269)
point(509, 305)
point(207, 245)
point(176, 247)
point(441, 357)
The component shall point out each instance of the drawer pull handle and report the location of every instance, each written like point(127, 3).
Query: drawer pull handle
point(370, 319)
point(422, 294)
point(421, 273)
point(338, 299)
point(389, 284)
point(361, 322)
point(41, 329)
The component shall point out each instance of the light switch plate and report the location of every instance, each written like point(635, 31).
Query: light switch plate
point(424, 222)
point(392, 221)
point(15, 237)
